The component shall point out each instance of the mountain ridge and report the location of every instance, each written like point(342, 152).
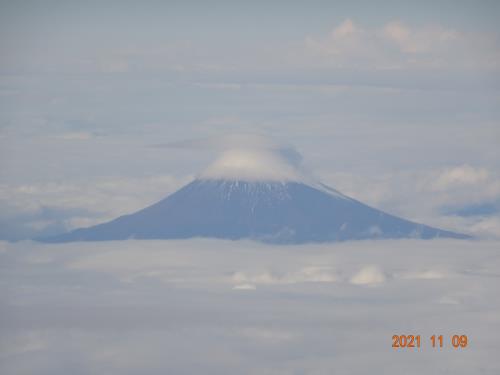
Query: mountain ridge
point(285, 212)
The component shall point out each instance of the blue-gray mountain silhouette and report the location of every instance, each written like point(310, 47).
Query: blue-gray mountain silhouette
point(276, 212)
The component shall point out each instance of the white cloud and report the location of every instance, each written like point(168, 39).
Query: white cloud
point(368, 275)
point(488, 227)
point(246, 156)
point(244, 287)
point(429, 274)
point(397, 45)
point(415, 41)
point(346, 38)
point(318, 274)
point(460, 176)
point(251, 165)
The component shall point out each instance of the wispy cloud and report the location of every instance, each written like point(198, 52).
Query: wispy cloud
point(430, 196)
point(395, 45)
point(47, 208)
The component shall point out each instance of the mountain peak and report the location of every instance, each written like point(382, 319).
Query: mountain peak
point(256, 190)
point(269, 211)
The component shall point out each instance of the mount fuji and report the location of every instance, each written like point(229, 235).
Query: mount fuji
point(259, 196)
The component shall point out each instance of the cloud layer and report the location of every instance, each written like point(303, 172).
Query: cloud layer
point(217, 307)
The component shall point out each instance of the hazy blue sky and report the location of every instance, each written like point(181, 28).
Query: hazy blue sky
point(381, 99)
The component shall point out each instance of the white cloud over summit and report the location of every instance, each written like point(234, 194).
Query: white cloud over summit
point(251, 165)
point(247, 156)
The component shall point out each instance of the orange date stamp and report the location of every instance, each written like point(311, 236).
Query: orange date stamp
point(436, 341)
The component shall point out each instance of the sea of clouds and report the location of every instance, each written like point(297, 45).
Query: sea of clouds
point(227, 307)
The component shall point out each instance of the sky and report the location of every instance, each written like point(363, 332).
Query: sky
point(382, 101)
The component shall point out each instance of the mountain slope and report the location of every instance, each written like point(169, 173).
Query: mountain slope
point(278, 212)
